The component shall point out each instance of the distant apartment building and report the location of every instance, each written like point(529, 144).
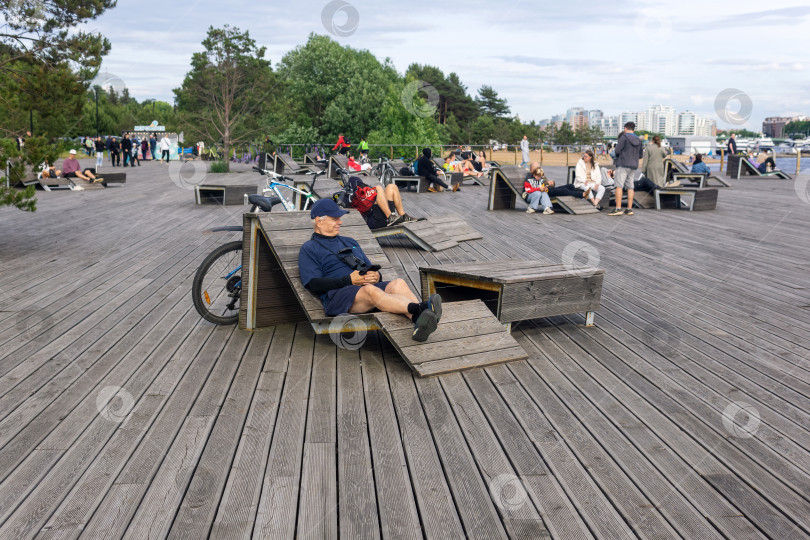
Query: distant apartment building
point(774, 126)
point(657, 119)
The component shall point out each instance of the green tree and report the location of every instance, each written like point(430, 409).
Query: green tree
point(797, 128)
point(333, 88)
point(490, 104)
point(398, 125)
point(564, 135)
point(229, 83)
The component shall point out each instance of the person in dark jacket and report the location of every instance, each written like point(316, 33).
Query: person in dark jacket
point(425, 167)
point(115, 152)
point(628, 153)
point(126, 149)
point(732, 146)
point(152, 146)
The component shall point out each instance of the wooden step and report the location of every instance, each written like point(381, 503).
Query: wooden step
point(469, 336)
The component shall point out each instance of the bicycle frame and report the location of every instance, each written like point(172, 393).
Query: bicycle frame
point(288, 205)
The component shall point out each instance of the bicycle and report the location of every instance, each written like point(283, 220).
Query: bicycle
point(217, 287)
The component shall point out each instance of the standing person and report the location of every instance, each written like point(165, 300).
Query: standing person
point(653, 164)
point(165, 147)
point(99, 152)
point(732, 146)
point(136, 145)
point(88, 146)
point(628, 153)
point(126, 149)
point(342, 145)
point(144, 148)
point(152, 146)
point(115, 152)
point(524, 151)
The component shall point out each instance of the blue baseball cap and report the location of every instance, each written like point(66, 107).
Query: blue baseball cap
point(326, 207)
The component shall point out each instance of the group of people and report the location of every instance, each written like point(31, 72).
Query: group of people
point(592, 181)
point(132, 150)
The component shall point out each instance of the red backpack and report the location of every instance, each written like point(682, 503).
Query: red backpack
point(363, 199)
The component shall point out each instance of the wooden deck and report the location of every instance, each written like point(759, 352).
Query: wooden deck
point(683, 413)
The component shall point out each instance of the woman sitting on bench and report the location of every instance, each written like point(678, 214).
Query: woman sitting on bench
point(535, 191)
point(699, 167)
point(589, 178)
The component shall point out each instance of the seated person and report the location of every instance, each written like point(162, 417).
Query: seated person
point(699, 167)
point(465, 166)
point(765, 162)
point(425, 167)
point(566, 190)
point(355, 166)
point(49, 171)
point(535, 191)
point(380, 206)
point(334, 268)
point(72, 169)
point(589, 178)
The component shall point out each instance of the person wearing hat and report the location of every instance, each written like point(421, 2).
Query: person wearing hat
point(335, 269)
point(72, 169)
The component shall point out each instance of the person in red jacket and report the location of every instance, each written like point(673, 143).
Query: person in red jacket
point(342, 145)
point(535, 191)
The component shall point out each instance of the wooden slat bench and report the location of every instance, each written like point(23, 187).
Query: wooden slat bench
point(516, 290)
point(468, 335)
point(284, 162)
point(112, 178)
point(699, 198)
point(504, 192)
point(223, 194)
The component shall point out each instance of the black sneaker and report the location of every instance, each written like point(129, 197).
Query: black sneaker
point(425, 325)
point(617, 212)
point(628, 212)
point(434, 304)
point(408, 219)
point(394, 220)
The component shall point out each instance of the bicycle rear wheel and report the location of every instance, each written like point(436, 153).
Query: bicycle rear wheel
point(218, 284)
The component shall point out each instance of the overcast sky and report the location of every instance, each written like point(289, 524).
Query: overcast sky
point(541, 57)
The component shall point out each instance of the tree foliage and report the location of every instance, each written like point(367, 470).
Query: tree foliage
point(229, 83)
point(490, 104)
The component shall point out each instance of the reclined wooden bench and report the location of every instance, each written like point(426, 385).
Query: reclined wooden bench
point(458, 176)
point(339, 161)
point(699, 198)
point(674, 170)
point(468, 335)
point(746, 167)
point(431, 234)
point(112, 178)
point(309, 160)
point(504, 192)
point(284, 162)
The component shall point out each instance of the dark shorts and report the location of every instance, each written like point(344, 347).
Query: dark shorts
point(70, 175)
point(339, 301)
point(376, 218)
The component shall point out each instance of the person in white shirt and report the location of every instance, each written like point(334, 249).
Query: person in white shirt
point(165, 147)
point(589, 178)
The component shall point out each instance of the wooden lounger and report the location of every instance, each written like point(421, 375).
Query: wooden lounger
point(699, 198)
point(339, 161)
point(675, 170)
point(309, 159)
point(503, 192)
point(746, 167)
point(468, 335)
point(458, 176)
point(49, 184)
point(284, 162)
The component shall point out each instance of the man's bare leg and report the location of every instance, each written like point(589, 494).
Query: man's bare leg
point(392, 194)
point(630, 193)
point(382, 202)
point(370, 296)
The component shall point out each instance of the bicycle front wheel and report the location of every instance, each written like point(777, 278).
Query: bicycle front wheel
point(218, 284)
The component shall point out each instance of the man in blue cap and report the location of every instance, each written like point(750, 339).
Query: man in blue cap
point(335, 269)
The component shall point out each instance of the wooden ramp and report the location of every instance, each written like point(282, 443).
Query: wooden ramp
point(423, 233)
point(468, 336)
point(574, 205)
point(284, 162)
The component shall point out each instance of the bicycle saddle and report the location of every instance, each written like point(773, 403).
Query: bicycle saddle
point(265, 203)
